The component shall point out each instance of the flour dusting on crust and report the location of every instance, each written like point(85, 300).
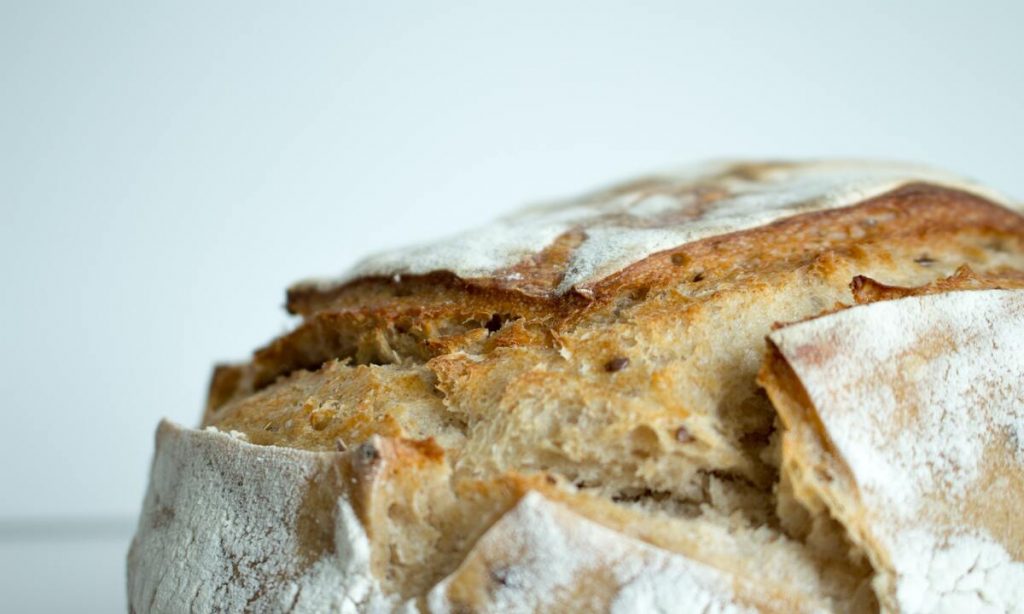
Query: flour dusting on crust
point(542, 557)
point(626, 223)
point(222, 530)
point(922, 399)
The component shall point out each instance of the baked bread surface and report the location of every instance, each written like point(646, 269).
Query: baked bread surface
point(918, 453)
point(563, 413)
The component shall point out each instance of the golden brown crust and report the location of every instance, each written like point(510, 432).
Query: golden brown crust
point(909, 212)
point(867, 290)
point(377, 320)
point(636, 393)
point(448, 358)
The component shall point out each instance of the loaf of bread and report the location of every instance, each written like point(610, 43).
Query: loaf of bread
point(777, 387)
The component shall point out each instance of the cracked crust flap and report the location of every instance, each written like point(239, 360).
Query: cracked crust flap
point(231, 526)
point(543, 557)
point(905, 419)
point(575, 246)
point(228, 527)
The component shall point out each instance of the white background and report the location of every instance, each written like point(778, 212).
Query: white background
point(166, 171)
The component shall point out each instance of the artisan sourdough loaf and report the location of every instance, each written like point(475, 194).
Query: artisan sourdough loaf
point(779, 387)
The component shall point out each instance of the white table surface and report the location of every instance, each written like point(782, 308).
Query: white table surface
point(64, 567)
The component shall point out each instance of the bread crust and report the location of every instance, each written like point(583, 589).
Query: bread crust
point(915, 217)
point(924, 472)
point(907, 212)
point(558, 383)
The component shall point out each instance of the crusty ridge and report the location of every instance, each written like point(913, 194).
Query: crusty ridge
point(637, 392)
point(572, 245)
point(371, 320)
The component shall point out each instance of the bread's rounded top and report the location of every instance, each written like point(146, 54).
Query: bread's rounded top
point(574, 244)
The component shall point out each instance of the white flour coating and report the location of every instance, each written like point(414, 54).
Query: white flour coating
point(539, 552)
point(966, 571)
point(625, 224)
point(219, 532)
point(912, 393)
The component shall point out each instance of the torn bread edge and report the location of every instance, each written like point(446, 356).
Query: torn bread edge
point(904, 420)
point(231, 526)
point(227, 525)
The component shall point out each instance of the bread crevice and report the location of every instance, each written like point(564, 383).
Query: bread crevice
point(641, 402)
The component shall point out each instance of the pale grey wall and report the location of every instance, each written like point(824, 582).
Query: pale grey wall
point(165, 171)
